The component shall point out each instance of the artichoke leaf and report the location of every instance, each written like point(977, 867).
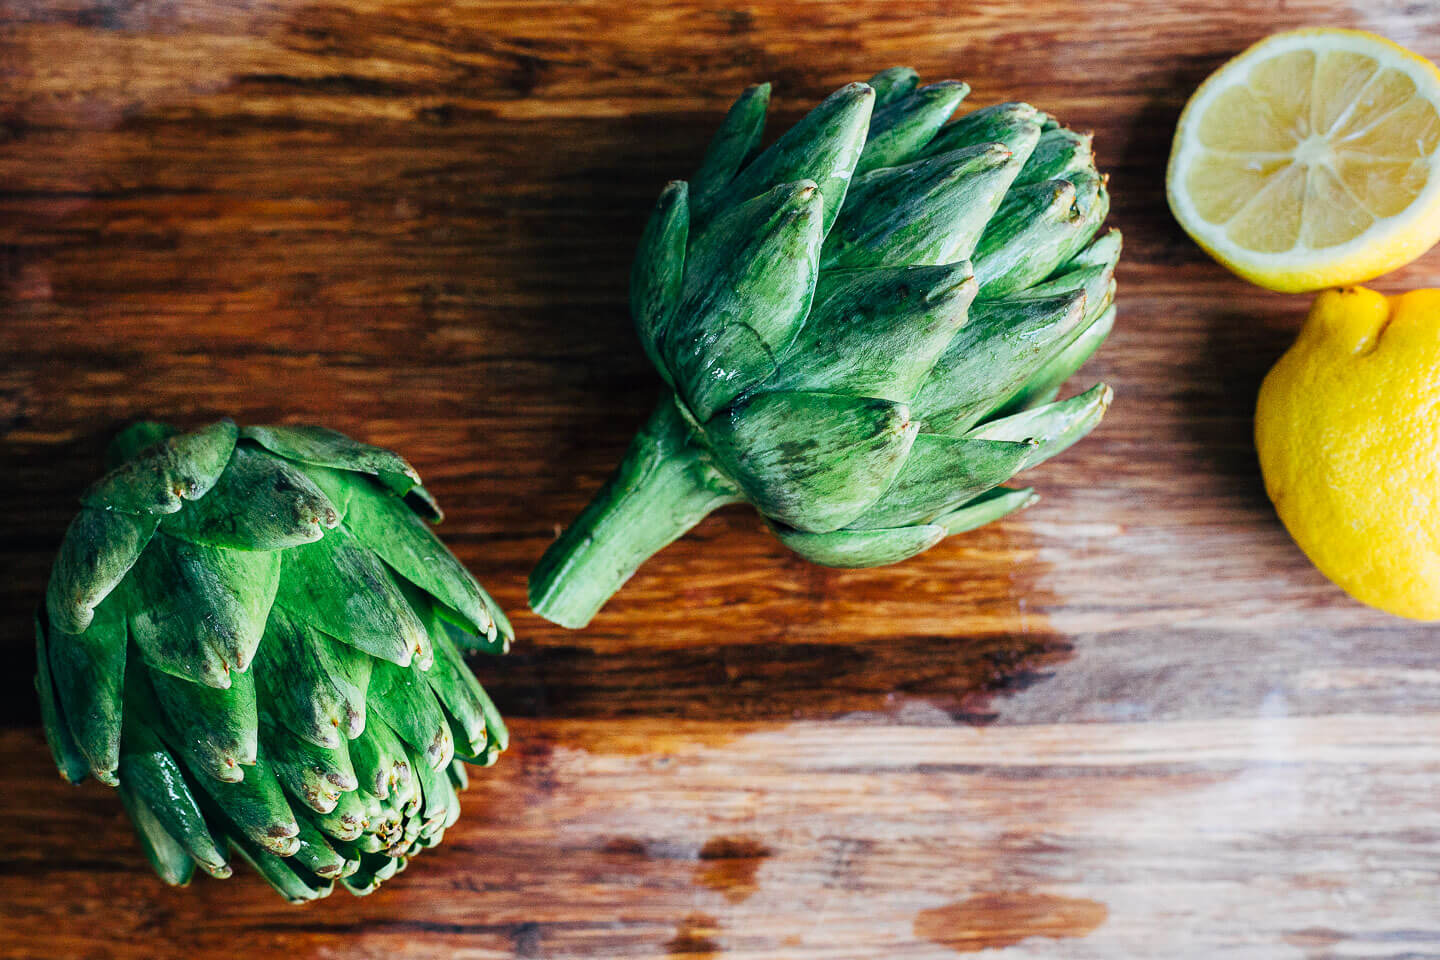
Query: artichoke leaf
point(1038, 228)
point(1003, 343)
point(930, 211)
point(1051, 429)
point(735, 143)
point(338, 586)
point(348, 819)
point(261, 502)
point(877, 333)
point(454, 686)
point(314, 775)
point(380, 761)
point(899, 130)
point(1058, 154)
point(410, 548)
point(198, 611)
point(1091, 270)
point(215, 729)
point(99, 548)
point(290, 880)
point(88, 671)
point(1045, 382)
point(942, 473)
point(1097, 283)
point(892, 84)
point(658, 270)
point(67, 756)
point(466, 639)
point(160, 477)
point(459, 776)
point(330, 448)
point(862, 548)
point(823, 147)
point(810, 460)
point(440, 804)
point(310, 682)
point(1103, 250)
point(986, 508)
point(150, 772)
point(167, 855)
point(1015, 125)
point(316, 854)
point(256, 807)
point(749, 278)
point(401, 697)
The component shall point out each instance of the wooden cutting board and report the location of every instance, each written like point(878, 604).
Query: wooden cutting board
point(1130, 722)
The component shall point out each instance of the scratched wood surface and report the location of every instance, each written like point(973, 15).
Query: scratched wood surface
point(1130, 722)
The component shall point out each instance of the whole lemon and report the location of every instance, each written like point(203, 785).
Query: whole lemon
point(1348, 429)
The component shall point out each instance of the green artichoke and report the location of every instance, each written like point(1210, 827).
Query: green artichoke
point(862, 331)
point(253, 634)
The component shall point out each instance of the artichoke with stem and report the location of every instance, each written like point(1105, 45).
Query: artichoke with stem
point(862, 331)
point(253, 634)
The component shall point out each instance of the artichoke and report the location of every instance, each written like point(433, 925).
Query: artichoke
point(254, 635)
point(862, 331)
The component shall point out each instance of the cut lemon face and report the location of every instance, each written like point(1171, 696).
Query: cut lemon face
point(1310, 160)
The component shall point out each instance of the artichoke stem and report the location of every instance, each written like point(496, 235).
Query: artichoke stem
point(665, 485)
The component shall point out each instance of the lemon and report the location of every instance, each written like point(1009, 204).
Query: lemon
point(1348, 429)
point(1310, 160)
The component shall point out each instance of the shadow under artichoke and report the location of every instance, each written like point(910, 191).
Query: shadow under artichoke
point(253, 634)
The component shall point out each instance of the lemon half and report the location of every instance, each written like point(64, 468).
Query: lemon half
point(1310, 160)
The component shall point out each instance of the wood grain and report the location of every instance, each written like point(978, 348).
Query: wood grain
point(1130, 722)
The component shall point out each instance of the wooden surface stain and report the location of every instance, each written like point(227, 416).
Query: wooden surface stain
point(991, 921)
point(728, 865)
point(693, 938)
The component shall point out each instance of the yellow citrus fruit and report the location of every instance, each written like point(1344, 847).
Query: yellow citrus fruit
point(1348, 429)
point(1310, 160)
